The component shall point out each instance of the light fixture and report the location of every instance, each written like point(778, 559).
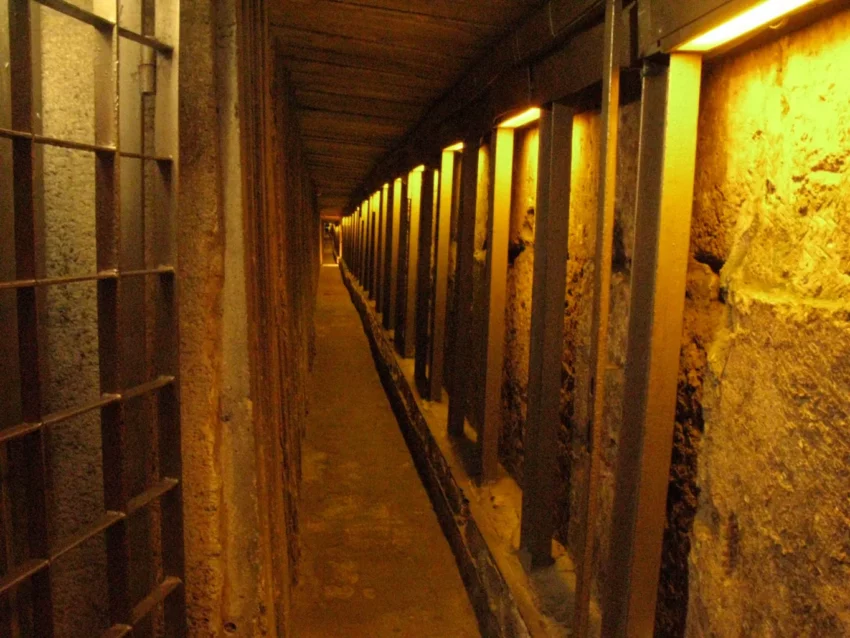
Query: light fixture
point(526, 117)
point(454, 148)
point(418, 169)
point(761, 14)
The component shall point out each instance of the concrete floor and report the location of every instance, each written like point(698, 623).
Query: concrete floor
point(375, 561)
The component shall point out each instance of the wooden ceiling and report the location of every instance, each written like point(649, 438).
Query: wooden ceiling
point(366, 71)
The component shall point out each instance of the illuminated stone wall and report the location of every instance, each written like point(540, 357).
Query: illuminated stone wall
point(764, 405)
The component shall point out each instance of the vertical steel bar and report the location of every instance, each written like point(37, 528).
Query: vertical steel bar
point(403, 257)
point(414, 227)
point(659, 270)
point(458, 400)
point(423, 283)
point(107, 232)
point(601, 305)
point(551, 232)
point(167, 21)
point(441, 276)
point(29, 342)
point(498, 228)
point(393, 221)
point(382, 240)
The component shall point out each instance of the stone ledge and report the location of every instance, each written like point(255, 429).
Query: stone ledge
point(489, 593)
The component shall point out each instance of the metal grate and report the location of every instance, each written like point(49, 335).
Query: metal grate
point(134, 155)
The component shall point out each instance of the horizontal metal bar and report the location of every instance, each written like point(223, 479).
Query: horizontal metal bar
point(143, 156)
point(21, 573)
point(70, 413)
point(146, 388)
point(24, 429)
point(149, 602)
point(77, 146)
point(64, 281)
point(145, 40)
point(161, 270)
point(13, 134)
point(117, 631)
point(18, 431)
point(150, 495)
point(57, 281)
point(73, 11)
point(98, 527)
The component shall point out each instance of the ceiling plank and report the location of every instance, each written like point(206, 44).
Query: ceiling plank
point(340, 103)
point(417, 31)
point(493, 12)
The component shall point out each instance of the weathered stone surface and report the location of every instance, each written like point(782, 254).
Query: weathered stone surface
point(770, 542)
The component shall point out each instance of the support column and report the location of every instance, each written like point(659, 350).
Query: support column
point(441, 276)
point(393, 203)
point(415, 201)
point(427, 211)
point(551, 233)
point(498, 229)
point(666, 168)
point(601, 308)
point(462, 360)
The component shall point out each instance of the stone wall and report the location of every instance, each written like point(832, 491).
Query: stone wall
point(246, 321)
point(760, 465)
point(518, 299)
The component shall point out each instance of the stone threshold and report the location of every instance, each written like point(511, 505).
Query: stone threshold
point(480, 522)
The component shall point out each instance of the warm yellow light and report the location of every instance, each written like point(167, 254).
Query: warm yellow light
point(454, 148)
point(758, 16)
point(418, 169)
point(527, 117)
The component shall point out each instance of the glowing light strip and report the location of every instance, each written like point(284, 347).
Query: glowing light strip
point(750, 20)
point(418, 169)
point(454, 149)
point(527, 117)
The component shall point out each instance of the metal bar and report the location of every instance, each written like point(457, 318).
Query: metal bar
point(151, 494)
point(381, 241)
point(414, 199)
point(98, 527)
point(441, 275)
point(458, 400)
point(27, 259)
point(403, 257)
point(659, 270)
point(56, 281)
point(146, 156)
point(12, 134)
point(551, 233)
point(423, 281)
point(117, 631)
point(78, 13)
point(158, 595)
point(146, 40)
point(21, 573)
point(498, 228)
point(374, 212)
point(107, 229)
point(601, 307)
point(393, 224)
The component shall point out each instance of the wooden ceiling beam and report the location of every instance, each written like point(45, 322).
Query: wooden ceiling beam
point(396, 28)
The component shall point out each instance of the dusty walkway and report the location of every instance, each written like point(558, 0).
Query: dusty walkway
point(375, 562)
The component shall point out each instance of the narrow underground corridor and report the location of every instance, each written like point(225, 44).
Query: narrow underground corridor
point(374, 559)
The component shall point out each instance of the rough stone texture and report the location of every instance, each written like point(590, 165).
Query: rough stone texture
point(575, 410)
point(764, 381)
point(518, 300)
point(480, 302)
point(70, 322)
